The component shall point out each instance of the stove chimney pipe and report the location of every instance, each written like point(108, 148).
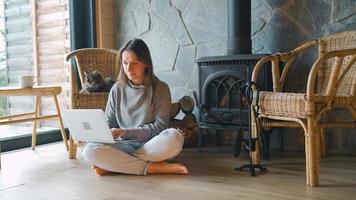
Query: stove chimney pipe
point(239, 27)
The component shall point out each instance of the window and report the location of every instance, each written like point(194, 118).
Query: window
point(35, 38)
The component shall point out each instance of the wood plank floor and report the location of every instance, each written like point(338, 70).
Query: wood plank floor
point(47, 173)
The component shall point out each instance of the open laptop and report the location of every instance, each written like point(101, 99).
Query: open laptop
point(87, 125)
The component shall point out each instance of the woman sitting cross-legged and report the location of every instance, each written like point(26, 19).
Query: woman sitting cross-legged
point(137, 112)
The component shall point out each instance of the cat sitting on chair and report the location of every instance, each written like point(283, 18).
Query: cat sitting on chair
point(94, 82)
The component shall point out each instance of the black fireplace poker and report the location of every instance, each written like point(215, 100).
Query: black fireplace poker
point(250, 142)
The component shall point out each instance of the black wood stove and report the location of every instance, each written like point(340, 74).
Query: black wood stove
point(219, 76)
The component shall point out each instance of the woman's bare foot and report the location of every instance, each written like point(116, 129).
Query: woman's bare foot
point(98, 171)
point(167, 168)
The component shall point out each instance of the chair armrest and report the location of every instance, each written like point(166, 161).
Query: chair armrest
point(287, 58)
point(337, 72)
point(259, 64)
point(73, 80)
point(70, 56)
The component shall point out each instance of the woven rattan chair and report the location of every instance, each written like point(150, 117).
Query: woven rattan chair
point(331, 84)
point(104, 61)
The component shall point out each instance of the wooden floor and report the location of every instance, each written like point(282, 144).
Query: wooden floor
point(47, 173)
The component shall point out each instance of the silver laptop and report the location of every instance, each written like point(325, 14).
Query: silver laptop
point(87, 125)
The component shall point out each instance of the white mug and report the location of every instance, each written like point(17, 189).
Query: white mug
point(27, 81)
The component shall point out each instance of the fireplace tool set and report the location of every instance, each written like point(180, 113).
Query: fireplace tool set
point(249, 142)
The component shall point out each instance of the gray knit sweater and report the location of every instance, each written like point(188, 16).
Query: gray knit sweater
point(127, 109)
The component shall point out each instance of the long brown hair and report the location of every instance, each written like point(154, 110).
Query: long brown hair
point(143, 54)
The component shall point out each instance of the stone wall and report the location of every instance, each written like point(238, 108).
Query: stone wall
point(180, 31)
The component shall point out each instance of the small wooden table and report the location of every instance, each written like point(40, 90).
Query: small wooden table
point(37, 92)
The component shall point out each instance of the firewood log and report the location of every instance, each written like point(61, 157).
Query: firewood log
point(174, 110)
point(189, 127)
point(186, 104)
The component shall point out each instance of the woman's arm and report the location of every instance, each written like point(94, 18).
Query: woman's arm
point(110, 110)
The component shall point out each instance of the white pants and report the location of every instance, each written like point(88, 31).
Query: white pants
point(166, 145)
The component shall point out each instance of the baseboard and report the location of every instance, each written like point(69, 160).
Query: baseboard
point(24, 141)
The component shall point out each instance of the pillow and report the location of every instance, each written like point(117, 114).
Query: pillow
point(166, 145)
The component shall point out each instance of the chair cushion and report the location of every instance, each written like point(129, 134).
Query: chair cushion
point(282, 104)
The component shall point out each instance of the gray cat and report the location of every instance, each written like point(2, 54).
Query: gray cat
point(94, 82)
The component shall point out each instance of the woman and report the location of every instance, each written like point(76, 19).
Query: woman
point(137, 112)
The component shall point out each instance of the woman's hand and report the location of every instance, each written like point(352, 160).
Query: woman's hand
point(117, 132)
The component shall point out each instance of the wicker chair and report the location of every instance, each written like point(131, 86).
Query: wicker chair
point(104, 61)
point(331, 84)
